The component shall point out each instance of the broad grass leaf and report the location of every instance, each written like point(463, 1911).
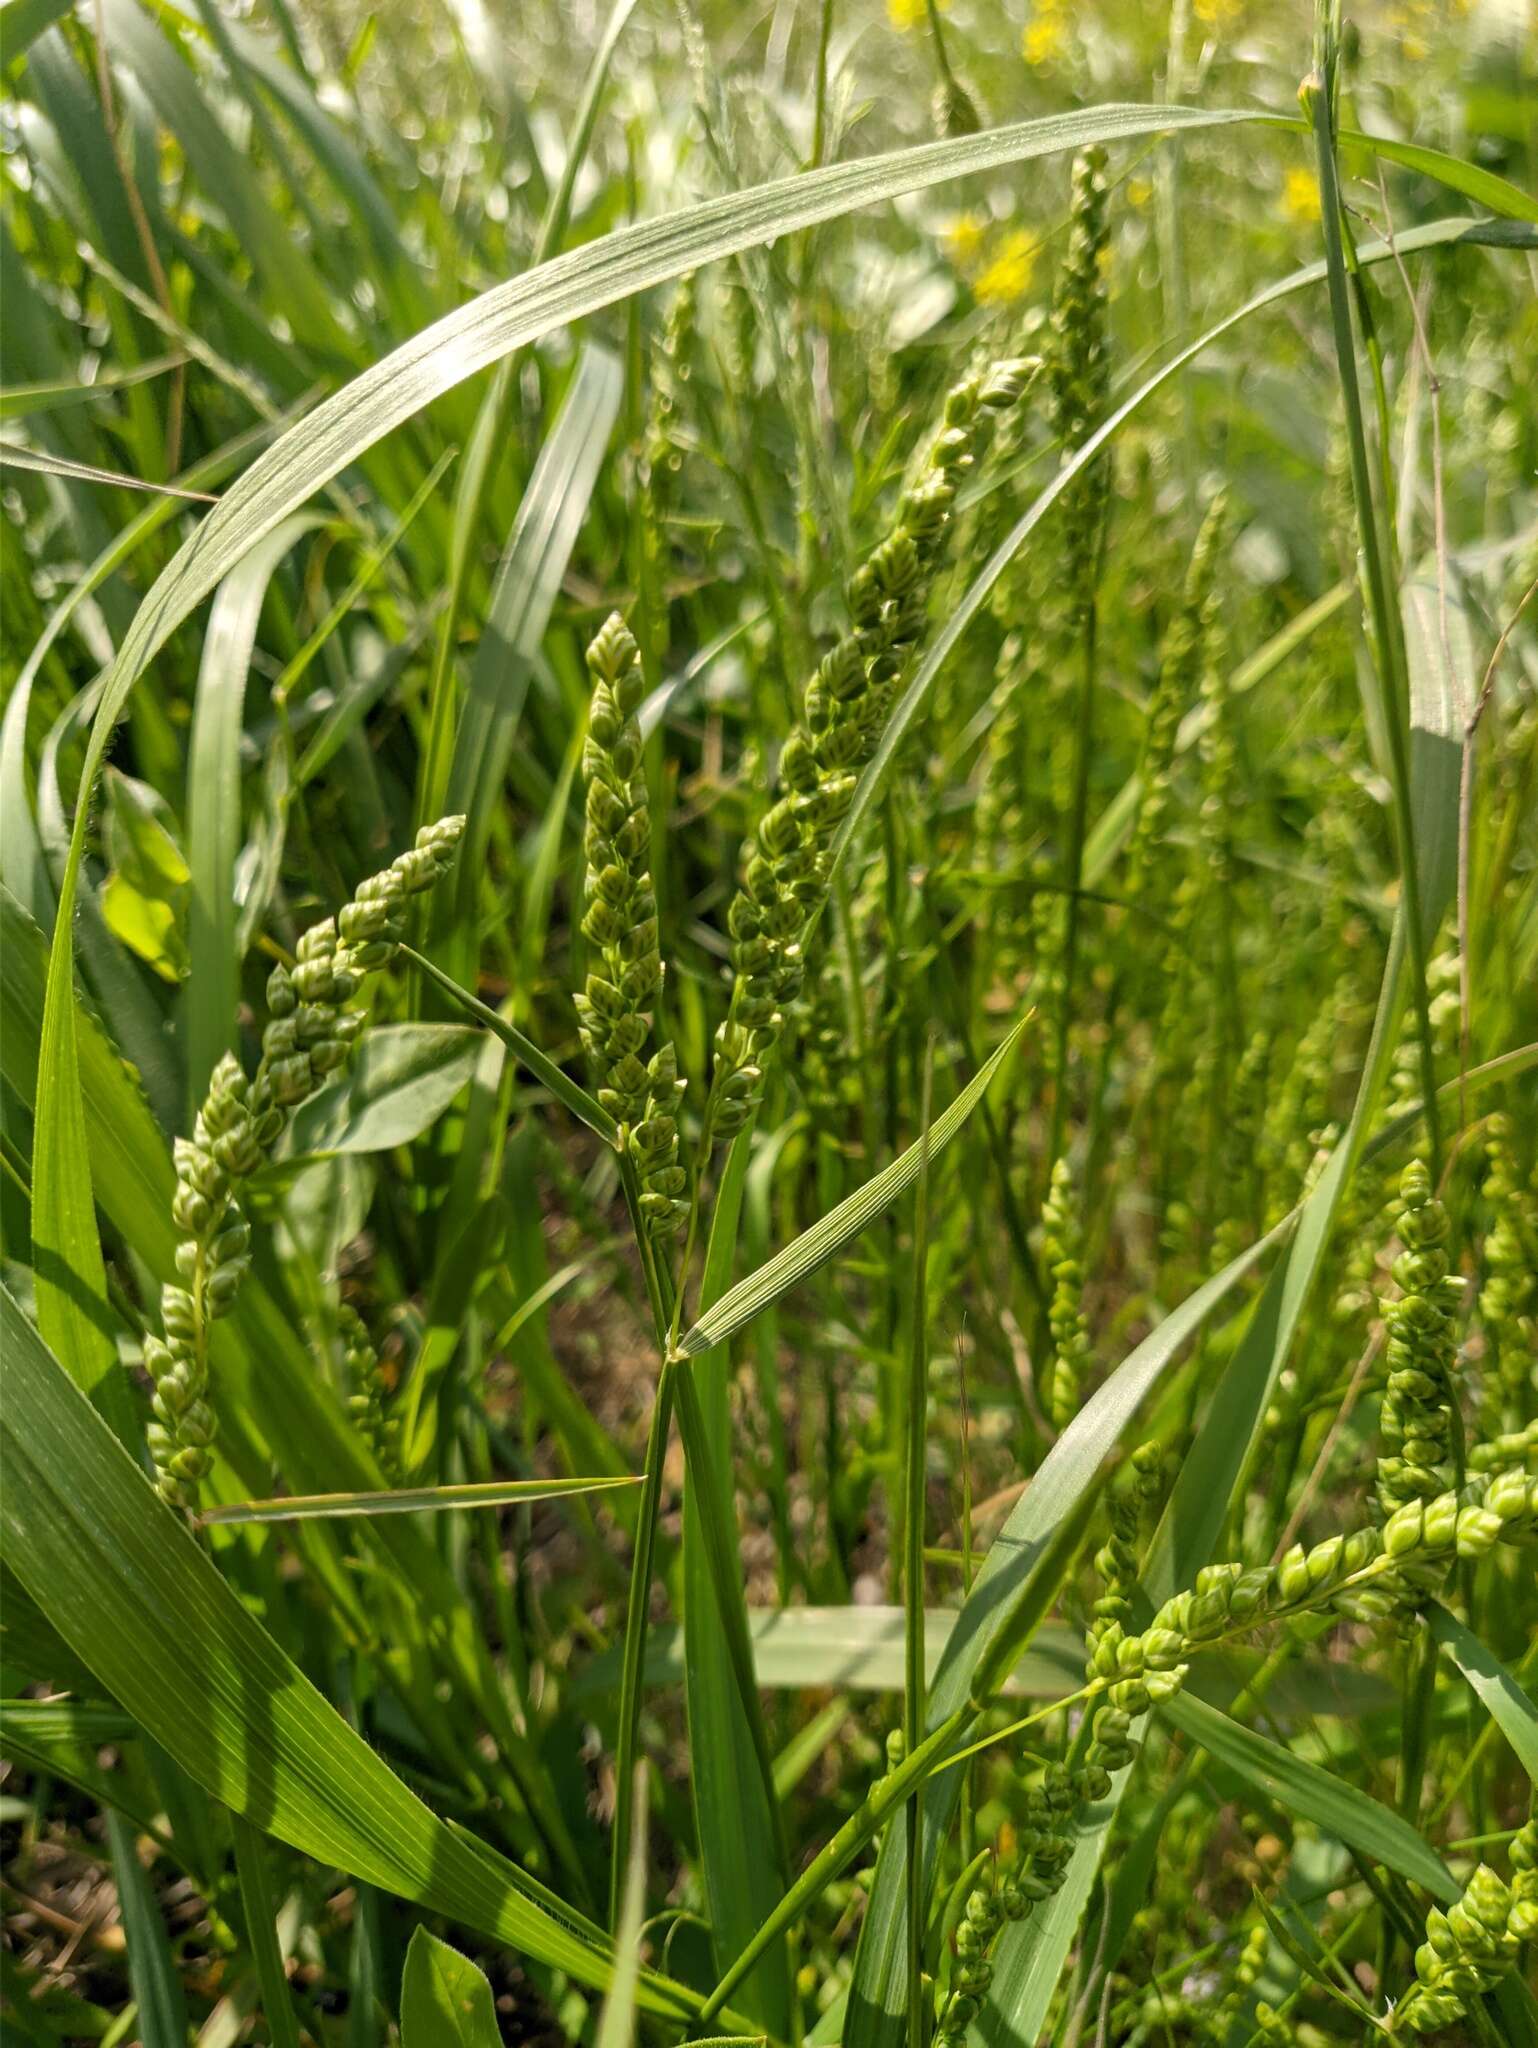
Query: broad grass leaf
point(23, 21)
point(446, 2001)
point(399, 1082)
point(128, 1588)
point(273, 1407)
point(1331, 1801)
point(1439, 648)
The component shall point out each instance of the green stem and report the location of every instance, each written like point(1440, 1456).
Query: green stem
point(1073, 861)
point(913, 1561)
point(1386, 635)
point(838, 1853)
point(633, 1678)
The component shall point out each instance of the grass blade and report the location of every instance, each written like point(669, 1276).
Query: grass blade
point(446, 2001)
point(750, 1297)
point(1497, 1690)
point(262, 1934)
point(123, 1582)
point(406, 1500)
point(570, 1094)
point(213, 804)
point(157, 1988)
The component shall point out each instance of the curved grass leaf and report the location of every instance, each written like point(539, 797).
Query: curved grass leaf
point(399, 1081)
point(550, 516)
point(804, 1254)
point(1301, 1788)
point(213, 804)
point(991, 1624)
point(408, 1500)
point(1498, 1692)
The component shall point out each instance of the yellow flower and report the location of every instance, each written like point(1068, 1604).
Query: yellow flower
point(1217, 13)
point(1045, 35)
point(1139, 191)
point(1008, 275)
point(906, 14)
point(963, 238)
point(1300, 195)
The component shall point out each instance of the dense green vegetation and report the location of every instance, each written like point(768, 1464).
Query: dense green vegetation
point(769, 1079)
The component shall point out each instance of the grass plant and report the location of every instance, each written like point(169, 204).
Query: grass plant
point(769, 1025)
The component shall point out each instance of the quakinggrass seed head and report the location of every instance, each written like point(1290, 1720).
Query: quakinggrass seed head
point(310, 1029)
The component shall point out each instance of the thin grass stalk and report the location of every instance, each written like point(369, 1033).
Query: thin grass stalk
point(913, 1546)
point(632, 1678)
point(1317, 95)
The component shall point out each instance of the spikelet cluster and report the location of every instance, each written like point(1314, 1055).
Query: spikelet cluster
point(1116, 1562)
point(1509, 1295)
point(1079, 364)
point(1444, 1010)
point(1061, 1247)
point(844, 709)
point(1421, 1350)
point(1369, 1573)
point(662, 447)
point(368, 1391)
point(620, 922)
point(1183, 660)
point(1476, 1942)
point(1043, 1849)
point(309, 1032)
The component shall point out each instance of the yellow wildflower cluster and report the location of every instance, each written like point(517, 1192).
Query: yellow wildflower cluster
point(1046, 33)
point(999, 267)
point(909, 14)
point(1217, 13)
